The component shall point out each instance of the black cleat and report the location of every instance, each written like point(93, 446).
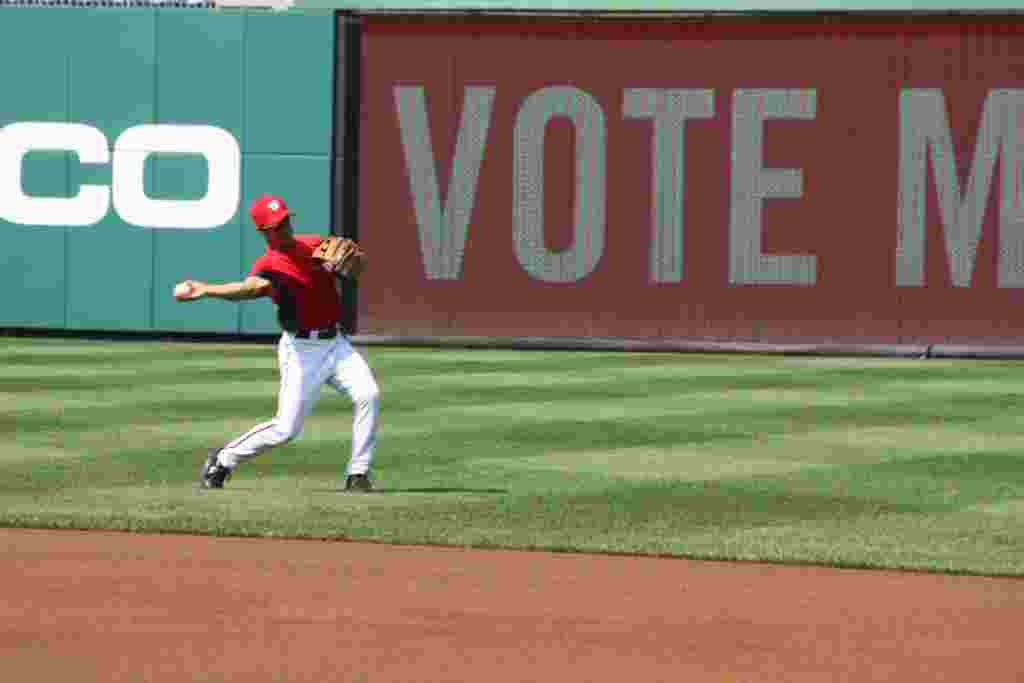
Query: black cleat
point(358, 483)
point(213, 474)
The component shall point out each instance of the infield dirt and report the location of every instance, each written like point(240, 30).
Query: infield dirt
point(98, 606)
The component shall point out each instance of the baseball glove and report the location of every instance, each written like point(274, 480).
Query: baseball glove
point(341, 256)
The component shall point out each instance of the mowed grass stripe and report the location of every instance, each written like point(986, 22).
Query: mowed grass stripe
point(118, 368)
point(85, 362)
point(940, 482)
point(131, 399)
point(437, 362)
point(443, 362)
point(252, 394)
point(668, 420)
point(644, 380)
point(552, 429)
point(655, 421)
point(652, 422)
point(465, 388)
point(782, 454)
point(34, 378)
point(956, 541)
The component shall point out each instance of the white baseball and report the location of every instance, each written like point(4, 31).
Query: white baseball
point(182, 289)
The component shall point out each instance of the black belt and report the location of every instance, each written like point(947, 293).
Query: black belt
point(326, 333)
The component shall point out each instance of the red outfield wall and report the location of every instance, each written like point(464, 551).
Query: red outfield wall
point(726, 179)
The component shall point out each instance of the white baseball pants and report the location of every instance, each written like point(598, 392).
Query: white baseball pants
point(305, 366)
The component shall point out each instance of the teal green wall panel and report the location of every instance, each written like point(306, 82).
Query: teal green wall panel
point(199, 81)
point(41, 76)
point(111, 82)
point(304, 184)
point(208, 255)
point(45, 174)
point(302, 181)
point(199, 69)
point(179, 176)
point(110, 274)
point(110, 277)
point(32, 264)
point(211, 255)
point(288, 94)
point(33, 258)
point(110, 267)
point(264, 77)
point(48, 99)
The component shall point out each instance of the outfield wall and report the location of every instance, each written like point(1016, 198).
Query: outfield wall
point(820, 178)
point(771, 179)
point(265, 79)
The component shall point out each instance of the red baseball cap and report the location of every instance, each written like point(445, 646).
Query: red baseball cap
point(268, 212)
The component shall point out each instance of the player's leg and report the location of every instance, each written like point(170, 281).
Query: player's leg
point(301, 369)
point(353, 376)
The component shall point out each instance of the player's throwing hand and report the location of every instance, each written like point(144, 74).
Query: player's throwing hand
point(189, 290)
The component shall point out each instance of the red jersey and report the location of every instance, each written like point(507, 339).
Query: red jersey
point(304, 292)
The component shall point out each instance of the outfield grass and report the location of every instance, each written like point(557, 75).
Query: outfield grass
point(854, 462)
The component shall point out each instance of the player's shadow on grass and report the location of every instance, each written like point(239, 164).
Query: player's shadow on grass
point(425, 489)
point(440, 489)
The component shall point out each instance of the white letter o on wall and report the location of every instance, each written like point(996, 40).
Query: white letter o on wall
point(223, 158)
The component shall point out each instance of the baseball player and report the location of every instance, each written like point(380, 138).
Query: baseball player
point(312, 350)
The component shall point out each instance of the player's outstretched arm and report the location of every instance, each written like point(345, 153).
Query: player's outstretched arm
point(251, 288)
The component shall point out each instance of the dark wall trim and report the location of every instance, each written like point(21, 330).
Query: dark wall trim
point(348, 52)
point(980, 351)
point(350, 62)
point(909, 350)
point(139, 336)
